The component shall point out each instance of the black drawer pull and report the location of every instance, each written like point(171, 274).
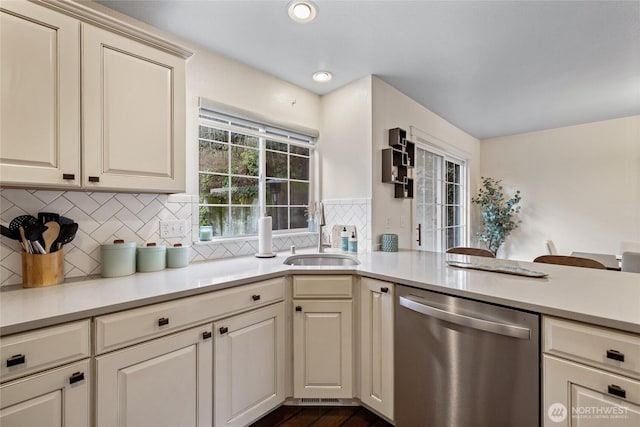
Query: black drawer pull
point(617, 391)
point(15, 360)
point(384, 290)
point(206, 335)
point(75, 377)
point(94, 179)
point(68, 176)
point(163, 321)
point(615, 355)
point(224, 330)
point(298, 308)
point(255, 297)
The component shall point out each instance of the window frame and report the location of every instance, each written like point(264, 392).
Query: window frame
point(263, 133)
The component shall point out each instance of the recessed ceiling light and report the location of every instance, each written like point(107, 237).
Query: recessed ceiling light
point(322, 76)
point(302, 11)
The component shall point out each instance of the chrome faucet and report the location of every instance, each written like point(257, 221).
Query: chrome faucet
point(321, 224)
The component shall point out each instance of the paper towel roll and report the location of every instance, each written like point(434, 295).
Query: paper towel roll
point(264, 235)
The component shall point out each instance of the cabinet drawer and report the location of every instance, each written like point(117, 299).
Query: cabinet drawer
point(132, 326)
point(611, 350)
point(45, 348)
point(322, 287)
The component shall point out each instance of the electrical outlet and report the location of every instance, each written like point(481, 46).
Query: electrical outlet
point(172, 228)
point(387, 222)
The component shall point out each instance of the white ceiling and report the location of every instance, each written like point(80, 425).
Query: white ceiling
point(490, 68)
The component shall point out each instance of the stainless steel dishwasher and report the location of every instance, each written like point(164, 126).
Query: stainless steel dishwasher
point(460, 363)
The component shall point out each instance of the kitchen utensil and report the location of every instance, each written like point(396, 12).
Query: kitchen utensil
point(33, 233)
point(25, 242)
point(50, 235)
point(66, 235)
point(22, 221)
point(44, 217)
point(8, 233)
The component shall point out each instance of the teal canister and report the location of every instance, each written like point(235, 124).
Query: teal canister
point(118, 259)
point(151, 258)
point(178, 256)
point(389, 242)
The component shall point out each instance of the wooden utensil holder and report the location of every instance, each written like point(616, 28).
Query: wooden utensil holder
point(42, 270)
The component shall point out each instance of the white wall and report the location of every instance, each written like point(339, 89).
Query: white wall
point(392, 109)
point(345, 142)
point(580, 186)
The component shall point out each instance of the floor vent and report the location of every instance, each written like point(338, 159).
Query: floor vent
point(317, 401)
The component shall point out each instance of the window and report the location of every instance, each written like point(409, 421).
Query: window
point(440, 200)
point(246, 169)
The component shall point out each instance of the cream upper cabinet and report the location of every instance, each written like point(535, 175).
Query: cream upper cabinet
point(133, 101)
point(376, 345)
point(121, 129)
point(249, 362)
point(40, 96)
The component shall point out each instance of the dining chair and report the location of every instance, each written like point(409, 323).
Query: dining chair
point(570, 260)
point(471, 251)
point(551, 247)
point(631, 261)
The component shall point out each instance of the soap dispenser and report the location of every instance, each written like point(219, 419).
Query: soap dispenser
point(353, 243)
point(344, 240)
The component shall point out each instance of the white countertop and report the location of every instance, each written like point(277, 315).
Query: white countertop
point(607, 298)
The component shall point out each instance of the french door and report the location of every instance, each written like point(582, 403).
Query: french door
point(440, 201)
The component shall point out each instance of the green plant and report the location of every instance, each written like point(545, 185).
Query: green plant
point(498, 214)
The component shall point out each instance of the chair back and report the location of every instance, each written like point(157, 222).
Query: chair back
point(631, 262)
point(551, 247)
point(471, 251)
point(570, 260)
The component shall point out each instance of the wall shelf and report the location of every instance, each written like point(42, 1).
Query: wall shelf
point(398, 162)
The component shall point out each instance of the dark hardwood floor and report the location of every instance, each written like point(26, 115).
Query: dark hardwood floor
point(321, 416)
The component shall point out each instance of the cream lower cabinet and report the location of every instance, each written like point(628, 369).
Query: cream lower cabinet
point(165, 382)
point(323, 337)
point(376, 345)
point(249, 362)
point(55, 398)
point(591, 375)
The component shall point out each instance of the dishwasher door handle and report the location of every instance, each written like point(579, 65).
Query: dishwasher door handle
point(468, 321)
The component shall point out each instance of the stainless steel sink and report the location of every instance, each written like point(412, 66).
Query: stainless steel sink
point(322, 259)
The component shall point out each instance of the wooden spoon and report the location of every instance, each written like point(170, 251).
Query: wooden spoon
point(50, 235)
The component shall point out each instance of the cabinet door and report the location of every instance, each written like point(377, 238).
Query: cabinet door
point(58, 397)
point(581, 396)
point(133, 114)
point(164, 382)
point(40, 102)
point(249, 365)
point(322, 349)
point(376, 345)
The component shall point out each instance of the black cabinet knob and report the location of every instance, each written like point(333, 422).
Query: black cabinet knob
point(255, 297)
point(298, 308)
point(94, 179)
point(206, 335)
point(617, 391)
point(615, 355)
point(163, 321)
point(224, 330)
point(384, 290)
point(69, 176)
point(15, 360)
point(75, 377)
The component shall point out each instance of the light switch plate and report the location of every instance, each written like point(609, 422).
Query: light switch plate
point(172, 228)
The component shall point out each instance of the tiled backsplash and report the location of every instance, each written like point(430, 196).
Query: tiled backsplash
point(349, 212)
point(103, 217)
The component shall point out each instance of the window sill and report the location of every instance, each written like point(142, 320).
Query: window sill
point(222, 240)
